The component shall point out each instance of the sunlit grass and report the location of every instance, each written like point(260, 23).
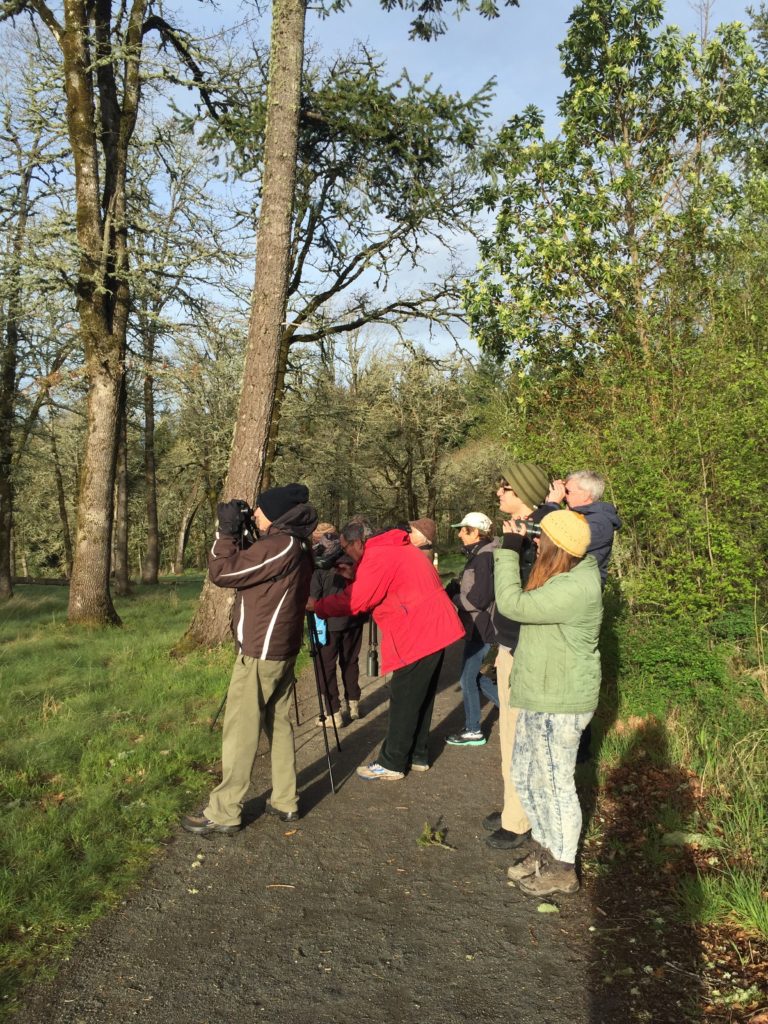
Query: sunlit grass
point(105, 739)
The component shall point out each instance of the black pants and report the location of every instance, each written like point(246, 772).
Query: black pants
point(342, 647)
point(412, 697)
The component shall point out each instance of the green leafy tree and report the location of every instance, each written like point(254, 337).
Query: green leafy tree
point(615, 247)
point(593, 225)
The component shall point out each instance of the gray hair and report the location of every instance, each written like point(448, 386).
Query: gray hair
point(357, 529)
point(589, 481)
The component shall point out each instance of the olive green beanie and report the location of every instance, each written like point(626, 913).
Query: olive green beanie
point(529, 481)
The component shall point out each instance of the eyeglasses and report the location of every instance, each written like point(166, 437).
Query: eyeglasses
point(506, 489)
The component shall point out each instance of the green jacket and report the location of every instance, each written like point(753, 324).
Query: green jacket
point(557, 664)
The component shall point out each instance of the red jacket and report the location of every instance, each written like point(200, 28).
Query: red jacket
point(399, 585)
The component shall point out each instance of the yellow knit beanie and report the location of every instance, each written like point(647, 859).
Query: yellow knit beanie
point(568, 530)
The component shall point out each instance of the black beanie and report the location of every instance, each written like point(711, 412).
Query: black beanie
point(278, 500)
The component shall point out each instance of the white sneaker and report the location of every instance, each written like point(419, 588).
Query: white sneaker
point(338, 718)
point(353, 708)
point(378, 771)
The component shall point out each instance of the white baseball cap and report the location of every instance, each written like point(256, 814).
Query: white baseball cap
point(477, 520)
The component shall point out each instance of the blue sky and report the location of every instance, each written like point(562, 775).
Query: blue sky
point(519, 49)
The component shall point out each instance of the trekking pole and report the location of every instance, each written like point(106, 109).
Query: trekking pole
point(372, 665)
point(221, 708)
point(314, 653)
point(296, 705)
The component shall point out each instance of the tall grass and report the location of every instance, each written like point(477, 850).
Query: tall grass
point(104, 740)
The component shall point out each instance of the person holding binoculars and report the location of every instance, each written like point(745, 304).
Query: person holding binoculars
point(271, 575)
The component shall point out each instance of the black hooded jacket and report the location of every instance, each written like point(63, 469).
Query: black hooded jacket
point(271, 578)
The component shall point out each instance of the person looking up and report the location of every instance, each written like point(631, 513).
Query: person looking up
point(521, 489)
point(582, 491)
point(271, 578)
point(554, 689)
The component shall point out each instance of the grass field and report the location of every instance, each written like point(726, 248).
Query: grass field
point(105, 737)
point(106, 743)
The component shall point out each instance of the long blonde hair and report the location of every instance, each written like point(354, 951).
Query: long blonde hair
point(550, 561)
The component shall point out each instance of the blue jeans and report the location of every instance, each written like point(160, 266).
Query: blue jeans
point(543, 764)
point(472, 683)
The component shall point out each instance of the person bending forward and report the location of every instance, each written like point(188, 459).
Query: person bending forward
point(398, 585)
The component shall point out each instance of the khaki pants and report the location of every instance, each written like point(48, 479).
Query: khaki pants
point(513, 817)
point(259, 695)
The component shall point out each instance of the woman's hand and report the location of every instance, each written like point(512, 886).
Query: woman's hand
point(310, 604)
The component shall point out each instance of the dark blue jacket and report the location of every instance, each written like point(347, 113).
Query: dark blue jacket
point(604, 521)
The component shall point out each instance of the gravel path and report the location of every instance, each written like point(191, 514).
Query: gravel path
point(343, 917)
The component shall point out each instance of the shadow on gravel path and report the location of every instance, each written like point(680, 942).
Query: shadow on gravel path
point(342, 917)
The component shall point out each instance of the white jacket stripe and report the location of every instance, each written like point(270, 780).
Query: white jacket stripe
point(241, 624)
point(268, 637)
point(260, 566)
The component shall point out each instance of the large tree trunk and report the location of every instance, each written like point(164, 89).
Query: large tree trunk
point(120, 556)
point(102, 287)
point(249, 445)
point(277, 409)
point(150, 566)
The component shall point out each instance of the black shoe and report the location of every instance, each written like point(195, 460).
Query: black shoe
point(282, 815)
point(199, 825)
point(493, 822)
point(503, 839)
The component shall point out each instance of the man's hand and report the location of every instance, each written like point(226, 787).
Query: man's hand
point(557, 492)
point(346, 570)
point(515, 526)
point(228, 514)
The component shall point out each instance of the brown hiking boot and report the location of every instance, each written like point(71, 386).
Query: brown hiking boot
point(527, 863)
point(199, 825)
point(526, 859)
point(548, 879)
